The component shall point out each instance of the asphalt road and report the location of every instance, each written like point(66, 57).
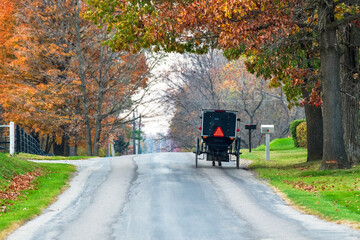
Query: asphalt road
point(163, 197)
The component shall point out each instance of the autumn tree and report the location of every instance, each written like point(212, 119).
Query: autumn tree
point(38, 90)
point(332, 15)
point(293, 65)
point(255, 102)
point(6, 26)
point(25, 81)
point(61, 81)
point(349, 40)
point(233, 88)
point(296, 60)
point(192, 83)
point(6, 30)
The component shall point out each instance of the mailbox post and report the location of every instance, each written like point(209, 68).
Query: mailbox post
point(267, 130)
point(250, 127)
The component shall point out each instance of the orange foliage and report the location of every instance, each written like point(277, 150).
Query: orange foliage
point(6, 27)
point(32, 94)
point(237, 22)
point(41, 87)
point(6, 12)
point(227, 24)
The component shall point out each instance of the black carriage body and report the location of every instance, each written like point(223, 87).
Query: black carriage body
point(212, 119)
point(218, 133)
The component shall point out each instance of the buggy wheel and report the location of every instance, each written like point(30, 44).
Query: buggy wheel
point(197, 152)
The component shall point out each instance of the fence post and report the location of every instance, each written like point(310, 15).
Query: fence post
point(12, 139)
point(22, 148)
point(112, 149)
point(27, 142)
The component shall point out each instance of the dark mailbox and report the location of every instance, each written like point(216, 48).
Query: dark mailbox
point(250, 126)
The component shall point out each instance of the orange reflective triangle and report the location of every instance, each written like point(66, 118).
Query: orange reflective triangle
point(219, 132)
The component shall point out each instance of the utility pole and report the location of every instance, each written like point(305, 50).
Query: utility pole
point(134, 134)
point(139, 143)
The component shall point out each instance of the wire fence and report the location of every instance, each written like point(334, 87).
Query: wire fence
point(26, 143)
point(4, 139)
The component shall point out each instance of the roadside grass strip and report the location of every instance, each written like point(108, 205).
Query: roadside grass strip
point(28, 156)
point(332, 195)
point(19, 205)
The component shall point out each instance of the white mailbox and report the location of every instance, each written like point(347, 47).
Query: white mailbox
point(267, 129)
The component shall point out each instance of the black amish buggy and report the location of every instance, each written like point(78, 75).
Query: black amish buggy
point(218, 137)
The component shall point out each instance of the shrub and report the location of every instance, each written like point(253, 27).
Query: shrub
point(293, 126)
point(301, 135)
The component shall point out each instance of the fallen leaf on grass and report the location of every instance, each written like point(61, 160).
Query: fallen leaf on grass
point(19, 183)
point(302, 185)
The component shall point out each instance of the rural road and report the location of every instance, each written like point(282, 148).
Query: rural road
point(163, 197)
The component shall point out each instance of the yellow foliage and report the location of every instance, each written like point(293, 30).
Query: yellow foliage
point(301, 134)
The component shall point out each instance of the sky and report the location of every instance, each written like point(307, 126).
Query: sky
point(158, 117)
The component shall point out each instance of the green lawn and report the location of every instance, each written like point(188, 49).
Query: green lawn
point(52, 180)
point(333, 195)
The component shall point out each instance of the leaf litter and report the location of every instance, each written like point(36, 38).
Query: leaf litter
point(15, 189)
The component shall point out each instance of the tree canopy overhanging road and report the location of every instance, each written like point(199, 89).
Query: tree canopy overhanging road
point(162, 196)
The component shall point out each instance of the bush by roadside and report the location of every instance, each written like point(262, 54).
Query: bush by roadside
point(301, 135)
point(293, 126)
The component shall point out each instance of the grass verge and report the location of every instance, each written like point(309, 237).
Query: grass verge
point(332, 195)
point(30, 202)
point(27, 156)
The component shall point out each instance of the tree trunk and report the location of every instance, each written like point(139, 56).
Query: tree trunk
point(314, 126)
point(47, 145)
point(97, 137)
point(63, 148)
point(66, 145)
point(58, 149)
point(88, 133)
point(82, 77)
point(98, 126)
point(334, 155)
point(350, 88)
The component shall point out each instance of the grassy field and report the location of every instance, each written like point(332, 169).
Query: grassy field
point(49, 181)
point(333, 195)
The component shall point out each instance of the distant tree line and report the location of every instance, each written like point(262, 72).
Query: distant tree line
point(209, 81)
